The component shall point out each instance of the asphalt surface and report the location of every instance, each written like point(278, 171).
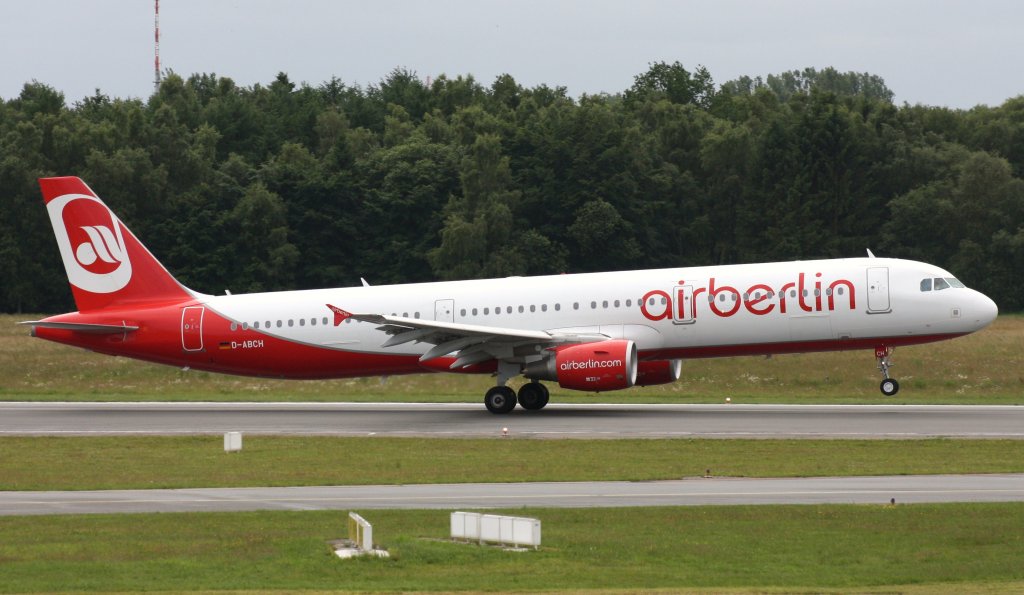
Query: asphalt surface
point(859, 490)
point(555, 421)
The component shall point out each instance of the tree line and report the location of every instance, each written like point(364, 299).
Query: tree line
point(285, 186)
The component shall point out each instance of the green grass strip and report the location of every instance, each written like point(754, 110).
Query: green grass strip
point(945, 547)
point(88, 463)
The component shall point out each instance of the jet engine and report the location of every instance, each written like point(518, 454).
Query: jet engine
point(662, 371)
point(596, 367)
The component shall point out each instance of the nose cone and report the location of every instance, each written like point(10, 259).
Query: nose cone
point(983, 310)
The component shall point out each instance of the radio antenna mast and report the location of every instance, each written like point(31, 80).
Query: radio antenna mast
point(156, 46)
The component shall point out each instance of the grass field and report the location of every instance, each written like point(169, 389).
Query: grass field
point(87, 463)
point(968, 548)
point(942, 548)
point(987, 367)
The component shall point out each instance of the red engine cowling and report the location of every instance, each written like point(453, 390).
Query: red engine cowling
point(597, 367)
point(658, 372)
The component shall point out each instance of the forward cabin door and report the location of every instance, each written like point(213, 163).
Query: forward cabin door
point(192, 328)
point(878, 290)
point(444, 310)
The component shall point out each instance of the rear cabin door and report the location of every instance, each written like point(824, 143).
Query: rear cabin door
point(878, 290)
point(192, 328)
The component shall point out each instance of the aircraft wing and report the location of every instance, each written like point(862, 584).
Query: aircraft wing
point(474, 343)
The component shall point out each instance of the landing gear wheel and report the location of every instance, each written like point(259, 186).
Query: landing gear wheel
point(883, 354)
point(533, 396)
point(500, 399)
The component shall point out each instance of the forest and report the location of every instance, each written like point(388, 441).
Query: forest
point(292, 186)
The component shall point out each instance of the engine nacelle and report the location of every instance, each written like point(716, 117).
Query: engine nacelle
point(597, 367)
point(658, 372)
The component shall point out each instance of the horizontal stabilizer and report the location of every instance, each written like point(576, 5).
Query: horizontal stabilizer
point(83, 327)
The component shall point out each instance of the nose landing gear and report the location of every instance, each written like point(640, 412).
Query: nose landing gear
point(889, 386)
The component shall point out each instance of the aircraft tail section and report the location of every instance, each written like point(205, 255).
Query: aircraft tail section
point(107, 266)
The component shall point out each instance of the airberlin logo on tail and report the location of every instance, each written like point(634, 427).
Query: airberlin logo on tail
point(90, 242)
point(101, 246)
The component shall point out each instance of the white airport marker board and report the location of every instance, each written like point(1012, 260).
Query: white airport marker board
point(492, 528)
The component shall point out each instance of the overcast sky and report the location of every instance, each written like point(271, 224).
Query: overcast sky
point(936, 52)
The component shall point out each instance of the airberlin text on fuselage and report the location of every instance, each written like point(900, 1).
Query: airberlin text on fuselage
point(758, 299)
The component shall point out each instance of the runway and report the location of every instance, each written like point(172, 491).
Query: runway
point(822, 490)
point(555, 421)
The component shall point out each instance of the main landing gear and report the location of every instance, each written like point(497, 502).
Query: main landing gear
point(502, 399)
point(532, 396)
point(889, 386)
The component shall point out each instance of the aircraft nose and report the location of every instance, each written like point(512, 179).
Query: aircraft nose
point(984, 310)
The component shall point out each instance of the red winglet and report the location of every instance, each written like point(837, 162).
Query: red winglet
point(339, 314)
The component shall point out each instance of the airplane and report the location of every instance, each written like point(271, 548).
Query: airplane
point(589, 332)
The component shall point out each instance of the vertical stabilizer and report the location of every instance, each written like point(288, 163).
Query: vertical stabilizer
point(106, 264)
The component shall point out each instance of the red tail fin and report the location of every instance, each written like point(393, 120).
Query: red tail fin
point(106, 265)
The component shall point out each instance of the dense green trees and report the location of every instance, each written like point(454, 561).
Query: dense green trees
point(284, 186)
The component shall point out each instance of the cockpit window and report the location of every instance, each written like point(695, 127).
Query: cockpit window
point(926, 284)
point(940, 284)
point(955, 283)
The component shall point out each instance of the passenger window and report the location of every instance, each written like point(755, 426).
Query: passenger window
point(593, 305)
point(279, 324)
point(940, 284)
point(926, 284)
point(604, 304)
point(474, 311)
point(576, 306)
point(325, 320)
point(508, 310)
point(302, 322)
point(234, 326)
point(256, 324)
point(487, 311)
point(616, 303)
point(245, 326)
point(543, 307)
point(520, 309)
point(558, 307)
point(462, 312)
point(629, 303)
point(291, 322)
